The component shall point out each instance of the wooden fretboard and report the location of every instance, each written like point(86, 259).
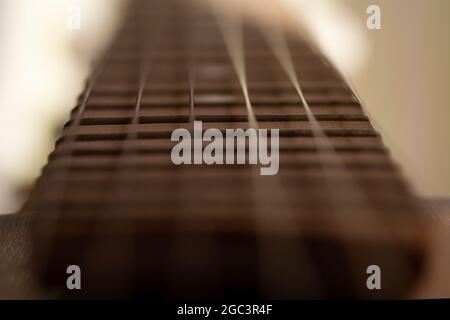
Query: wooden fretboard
point(111, 201)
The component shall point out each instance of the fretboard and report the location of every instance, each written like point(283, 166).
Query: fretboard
point(112, 200)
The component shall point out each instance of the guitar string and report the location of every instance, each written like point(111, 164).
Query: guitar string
point(59, 185)
point(279, 45)
point(232, 30)
point(192, 68)
point(230, 24)
point(112, 214)
point(370, 222)
point(207, 245)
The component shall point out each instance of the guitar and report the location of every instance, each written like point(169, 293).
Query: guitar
point(334, 219)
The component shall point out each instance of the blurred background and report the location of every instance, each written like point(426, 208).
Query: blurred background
point(401, 73)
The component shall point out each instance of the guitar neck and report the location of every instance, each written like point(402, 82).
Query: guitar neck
point(208, 222)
